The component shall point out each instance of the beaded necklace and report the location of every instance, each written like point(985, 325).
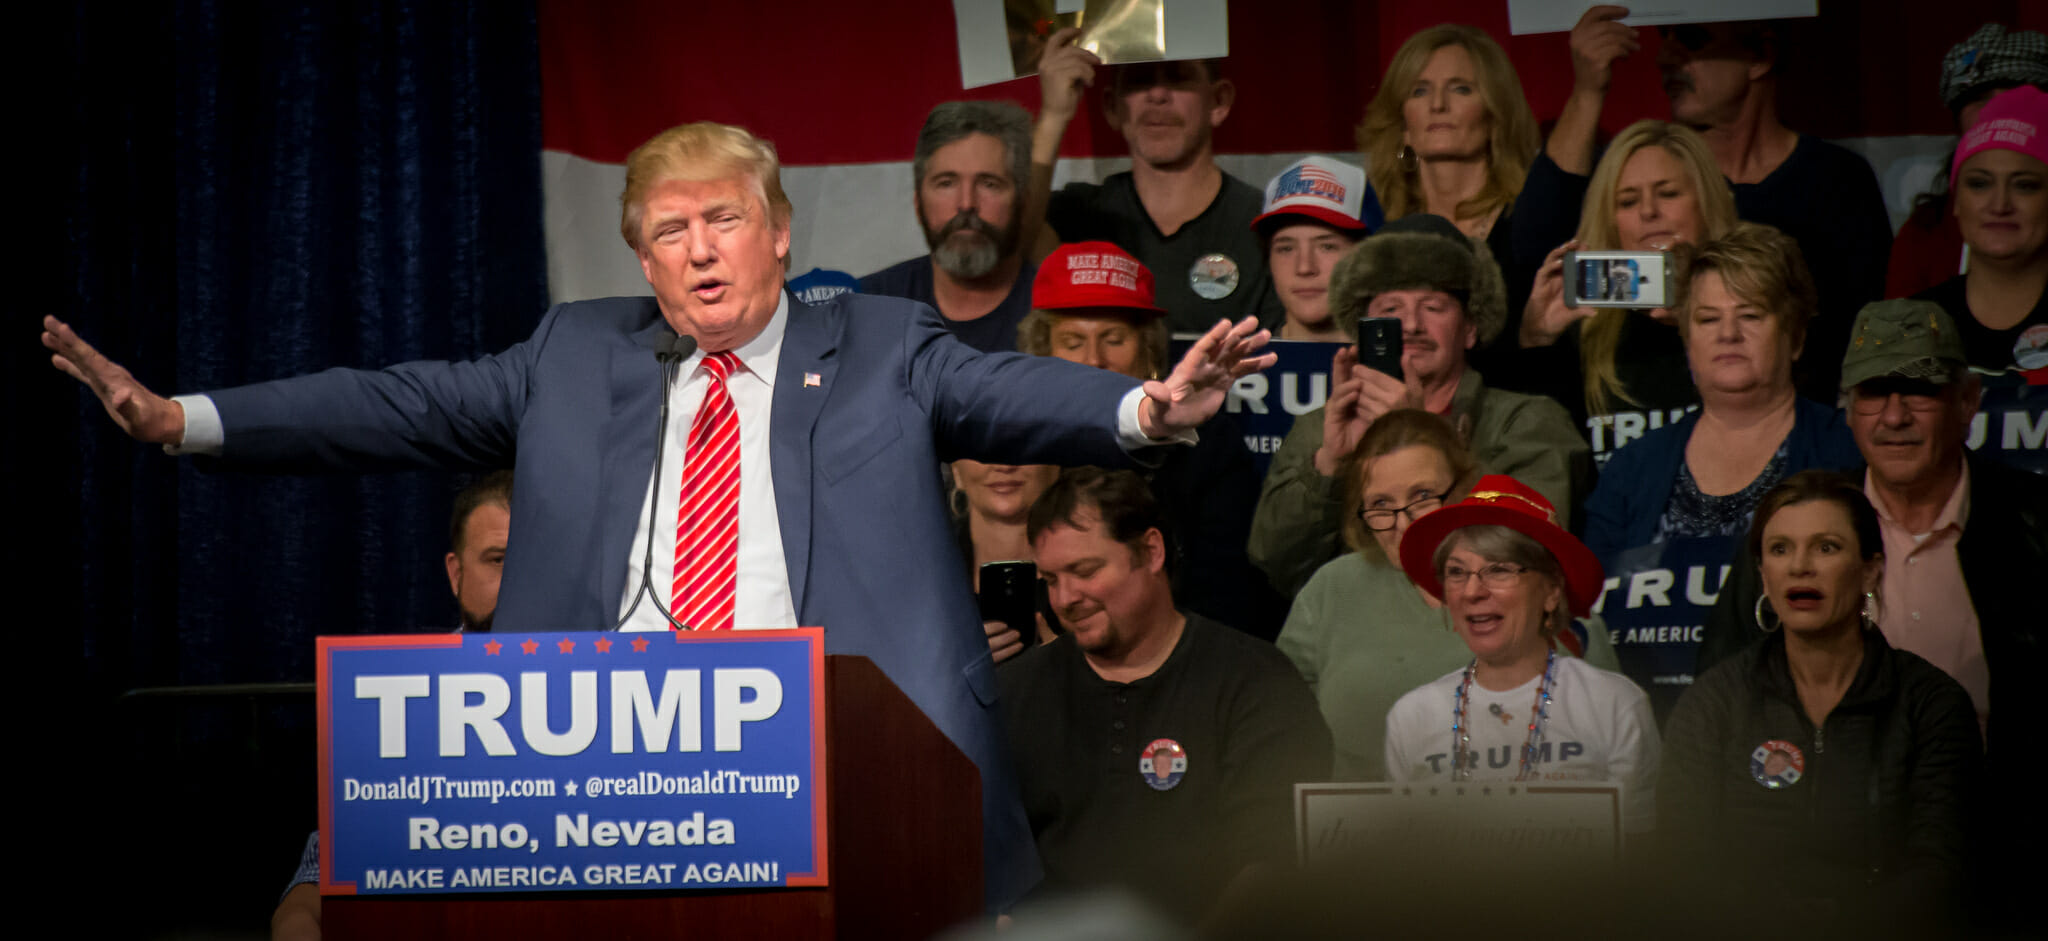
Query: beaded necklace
point(1461, 734)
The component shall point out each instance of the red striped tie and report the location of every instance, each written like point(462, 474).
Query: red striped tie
point(708, 520)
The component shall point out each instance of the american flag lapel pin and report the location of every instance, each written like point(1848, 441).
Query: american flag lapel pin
point(813, 380)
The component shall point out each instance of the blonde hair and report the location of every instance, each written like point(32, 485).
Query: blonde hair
point(1600, 337)
point(1034, 333)
point(1760, 265)
point(701, 152)
point(1511, 145)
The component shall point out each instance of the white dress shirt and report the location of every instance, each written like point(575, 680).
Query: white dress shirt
point(764, 599)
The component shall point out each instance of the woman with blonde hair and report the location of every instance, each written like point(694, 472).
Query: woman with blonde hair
point(1450, 133)
point(1623, 372)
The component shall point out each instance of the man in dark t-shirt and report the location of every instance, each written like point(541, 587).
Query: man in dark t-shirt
point(972, 168)
point(1143, 720)
point(1175, 209)
point(1722, 79)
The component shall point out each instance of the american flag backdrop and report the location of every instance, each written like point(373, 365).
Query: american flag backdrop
point(843, 88)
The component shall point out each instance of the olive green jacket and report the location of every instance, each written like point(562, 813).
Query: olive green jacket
point(1528, 437)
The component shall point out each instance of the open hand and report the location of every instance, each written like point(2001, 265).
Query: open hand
point(1196, 388)
point(143, 414)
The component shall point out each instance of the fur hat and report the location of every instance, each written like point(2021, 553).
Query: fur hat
point(1426, 252)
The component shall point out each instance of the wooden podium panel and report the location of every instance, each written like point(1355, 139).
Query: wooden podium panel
point(904, 843)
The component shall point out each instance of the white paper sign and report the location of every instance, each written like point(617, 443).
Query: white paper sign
point(1558, 16)
point(1195, 29)
point(1581, 823)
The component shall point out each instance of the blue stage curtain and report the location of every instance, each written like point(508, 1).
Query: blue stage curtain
point(257, 190)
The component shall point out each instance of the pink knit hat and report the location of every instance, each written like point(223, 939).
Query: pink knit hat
point(2015, 119)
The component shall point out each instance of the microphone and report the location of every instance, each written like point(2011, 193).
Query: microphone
point(680, 348)
point(671, 356)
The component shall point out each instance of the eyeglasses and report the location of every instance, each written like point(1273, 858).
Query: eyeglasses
point(1871, 398)
point(1382, 520)
point(1493, 575)
point(1873, 404)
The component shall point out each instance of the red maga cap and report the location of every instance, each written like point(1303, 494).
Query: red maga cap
point(1092, 274)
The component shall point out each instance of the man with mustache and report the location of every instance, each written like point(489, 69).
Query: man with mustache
point(1962, 534)
point(1449, 296)
point(972, 170)
point(1722, 79)
point(1143, 719)
point(1175, 209)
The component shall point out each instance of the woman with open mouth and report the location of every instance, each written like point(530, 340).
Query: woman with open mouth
point(1850, 766)
point(1511, 578)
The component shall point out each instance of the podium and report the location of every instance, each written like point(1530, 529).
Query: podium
point(904, 838)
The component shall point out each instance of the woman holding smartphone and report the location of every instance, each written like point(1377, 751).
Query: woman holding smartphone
point(1623, 372)
point(990, 503)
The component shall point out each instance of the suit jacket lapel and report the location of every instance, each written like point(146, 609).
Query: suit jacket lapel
point(803, 380)
point(627, 461)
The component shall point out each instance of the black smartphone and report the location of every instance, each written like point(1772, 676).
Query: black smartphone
point(1379, 344)
point(1009, 593)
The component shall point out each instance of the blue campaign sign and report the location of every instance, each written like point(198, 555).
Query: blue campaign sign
point(1655, 602)
point(2011, 424)
point(1266, 403)
point(566, 762)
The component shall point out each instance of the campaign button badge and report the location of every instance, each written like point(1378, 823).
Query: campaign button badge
point(2030, 351)
point(1777, 764)
point(1213, 276)
point(1163, 763)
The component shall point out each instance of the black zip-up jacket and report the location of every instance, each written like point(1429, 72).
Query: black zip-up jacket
point(1876, 830)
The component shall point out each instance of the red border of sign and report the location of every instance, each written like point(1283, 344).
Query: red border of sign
point(321, 648)
point(813, 636)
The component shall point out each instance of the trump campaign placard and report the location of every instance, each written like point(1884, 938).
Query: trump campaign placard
point(571, 762)
point(1266, 403)
point(1655, 602)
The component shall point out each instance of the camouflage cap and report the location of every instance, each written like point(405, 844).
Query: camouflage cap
point(1905, 338)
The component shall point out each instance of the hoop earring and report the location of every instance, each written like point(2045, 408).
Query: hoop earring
point(1409, 162)
point(1870, 610)
point(1766, 628)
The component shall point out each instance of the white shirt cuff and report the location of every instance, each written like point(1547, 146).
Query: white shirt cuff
point(1129, 431)
point(203, 433)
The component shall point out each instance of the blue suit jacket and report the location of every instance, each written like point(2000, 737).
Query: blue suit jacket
point(855, 461)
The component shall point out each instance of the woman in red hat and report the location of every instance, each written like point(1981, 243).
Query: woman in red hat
point(1510, 579)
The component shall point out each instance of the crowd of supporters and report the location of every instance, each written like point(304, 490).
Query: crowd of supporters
point(1430, 551)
